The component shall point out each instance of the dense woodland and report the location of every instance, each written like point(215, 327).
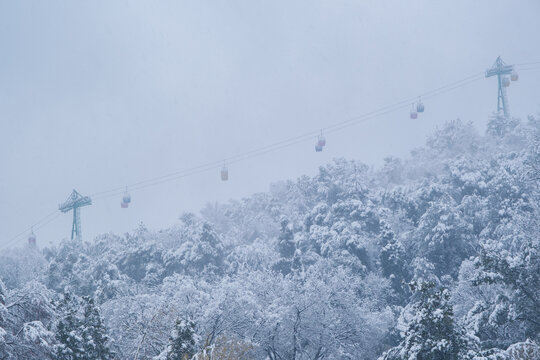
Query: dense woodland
point(434, 256)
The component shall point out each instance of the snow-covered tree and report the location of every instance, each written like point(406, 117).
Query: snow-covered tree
point(429, 330)
point(94, 333)
point(182, 341)
point(68, 333)
point(520, 272)
point(393, 260)
point(80, 331)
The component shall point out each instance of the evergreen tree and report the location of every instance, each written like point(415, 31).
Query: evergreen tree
point(286, 245)
point(70, 347)
point(430, 332)
point(80, 332)
point(182, 341)
point(286, 248)
point(393, 259)
point(444, 236)
point(70, 342)
point(520, 272)
point(94, 333)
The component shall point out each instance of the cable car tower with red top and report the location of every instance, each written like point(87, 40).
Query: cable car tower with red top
point(74, 202)
point(500, 69)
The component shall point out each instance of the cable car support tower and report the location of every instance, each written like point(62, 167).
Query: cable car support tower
point(74, 202)
point(500, 69)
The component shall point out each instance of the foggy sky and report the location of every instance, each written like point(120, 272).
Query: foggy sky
point(101, 94)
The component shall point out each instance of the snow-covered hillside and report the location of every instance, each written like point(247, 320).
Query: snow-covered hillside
point(436, 256)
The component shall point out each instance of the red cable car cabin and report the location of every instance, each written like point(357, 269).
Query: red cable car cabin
point(32, 239)
point(514, 76)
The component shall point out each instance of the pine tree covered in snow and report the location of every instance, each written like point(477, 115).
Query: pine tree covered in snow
point(67, 330)
point(80, 332)
point(94, 333)
point(182, 341)
point(430, 332)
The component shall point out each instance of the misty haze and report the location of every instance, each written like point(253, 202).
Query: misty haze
point(285, 180)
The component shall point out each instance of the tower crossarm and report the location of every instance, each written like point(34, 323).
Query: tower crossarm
point(499, 68)
point(505, 70)
point(75, 200)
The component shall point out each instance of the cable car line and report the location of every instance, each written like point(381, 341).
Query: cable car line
point(529, 69)
point(285, 143)
point(271, 147)
point(529, 63)
point(34, 225)
point(300, 138)
point(282, 144)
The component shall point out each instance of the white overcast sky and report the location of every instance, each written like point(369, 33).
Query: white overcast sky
point(100, 94)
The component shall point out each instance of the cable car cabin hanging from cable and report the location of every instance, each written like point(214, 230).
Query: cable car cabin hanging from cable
point(321, 140)
point(506, 82)
point(126, 200)
point(420, 107)
point(514, 76)
point(32, 239)
point(224, 173)
point(414, 114)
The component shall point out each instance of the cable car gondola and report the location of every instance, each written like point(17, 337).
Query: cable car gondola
point(414, 114)
point(224, 173)
point(318, 148)
point(321, 141)
point(505, 82)
point(32, 239)
point(420, 106)
point(126, 200)
point(514, 76)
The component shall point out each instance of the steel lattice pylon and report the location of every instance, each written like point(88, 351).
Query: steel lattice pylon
point(74, 202)
point(500, 69)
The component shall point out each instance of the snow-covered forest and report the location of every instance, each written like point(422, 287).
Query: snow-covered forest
point(433, 256)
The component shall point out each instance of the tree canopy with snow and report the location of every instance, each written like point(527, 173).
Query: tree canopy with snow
point(434, 256)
